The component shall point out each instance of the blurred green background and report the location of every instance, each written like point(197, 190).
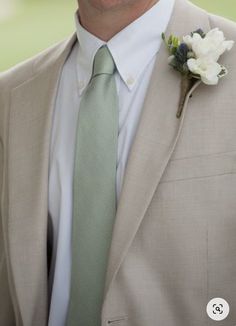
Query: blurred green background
point(29, 26)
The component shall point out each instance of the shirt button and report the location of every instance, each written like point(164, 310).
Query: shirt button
point(130, 81)
point(81, 84)
point(217, 309)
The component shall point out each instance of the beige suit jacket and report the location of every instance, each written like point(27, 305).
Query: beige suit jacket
point(174, 240)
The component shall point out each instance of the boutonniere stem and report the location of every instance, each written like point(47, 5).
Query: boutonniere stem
point(186, 84)
point(196, 57)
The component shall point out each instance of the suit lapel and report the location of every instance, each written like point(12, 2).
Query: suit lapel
point(155, 140)
point(30, 125)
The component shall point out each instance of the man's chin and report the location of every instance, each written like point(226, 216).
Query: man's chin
point(104, 5)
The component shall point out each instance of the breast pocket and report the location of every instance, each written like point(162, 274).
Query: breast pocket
point(200, 166)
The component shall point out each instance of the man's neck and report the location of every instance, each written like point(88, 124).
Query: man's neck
point(106, 23)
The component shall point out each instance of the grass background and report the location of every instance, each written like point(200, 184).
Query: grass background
point(36, 24)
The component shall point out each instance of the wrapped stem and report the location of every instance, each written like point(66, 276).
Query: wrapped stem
point(186, 84)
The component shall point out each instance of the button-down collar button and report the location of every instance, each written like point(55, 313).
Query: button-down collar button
point(81, 84)
point(130, 80)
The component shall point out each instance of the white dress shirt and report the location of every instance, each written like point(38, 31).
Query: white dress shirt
point(134, 50)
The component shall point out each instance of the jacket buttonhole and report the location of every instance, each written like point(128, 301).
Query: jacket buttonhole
point(111, 321)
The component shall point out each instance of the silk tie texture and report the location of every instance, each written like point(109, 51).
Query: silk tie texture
point(94, 187)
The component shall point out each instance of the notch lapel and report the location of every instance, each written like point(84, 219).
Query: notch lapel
point(30, 125)
point(155, 140)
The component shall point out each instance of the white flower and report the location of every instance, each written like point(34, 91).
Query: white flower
point(208, 69)
point(190, 40)
point(212, 46)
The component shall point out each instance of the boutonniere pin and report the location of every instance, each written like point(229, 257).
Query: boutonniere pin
point(196, 58)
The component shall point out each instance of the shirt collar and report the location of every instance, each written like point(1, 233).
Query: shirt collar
point(132, 48)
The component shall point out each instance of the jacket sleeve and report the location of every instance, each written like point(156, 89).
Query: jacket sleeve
point(6, 307)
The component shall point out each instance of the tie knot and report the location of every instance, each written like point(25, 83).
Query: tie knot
point(103, 62)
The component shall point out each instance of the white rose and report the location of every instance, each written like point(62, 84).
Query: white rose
point(212, 46)
point(208, 69)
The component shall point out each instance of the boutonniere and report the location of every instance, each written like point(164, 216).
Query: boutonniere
point(196, 58)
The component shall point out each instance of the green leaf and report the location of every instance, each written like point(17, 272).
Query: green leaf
point(174, 50)
point(170, 41)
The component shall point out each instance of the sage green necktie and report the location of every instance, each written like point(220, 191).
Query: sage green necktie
point(94, 206)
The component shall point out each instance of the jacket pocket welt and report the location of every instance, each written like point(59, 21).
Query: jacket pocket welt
point(200, 167)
